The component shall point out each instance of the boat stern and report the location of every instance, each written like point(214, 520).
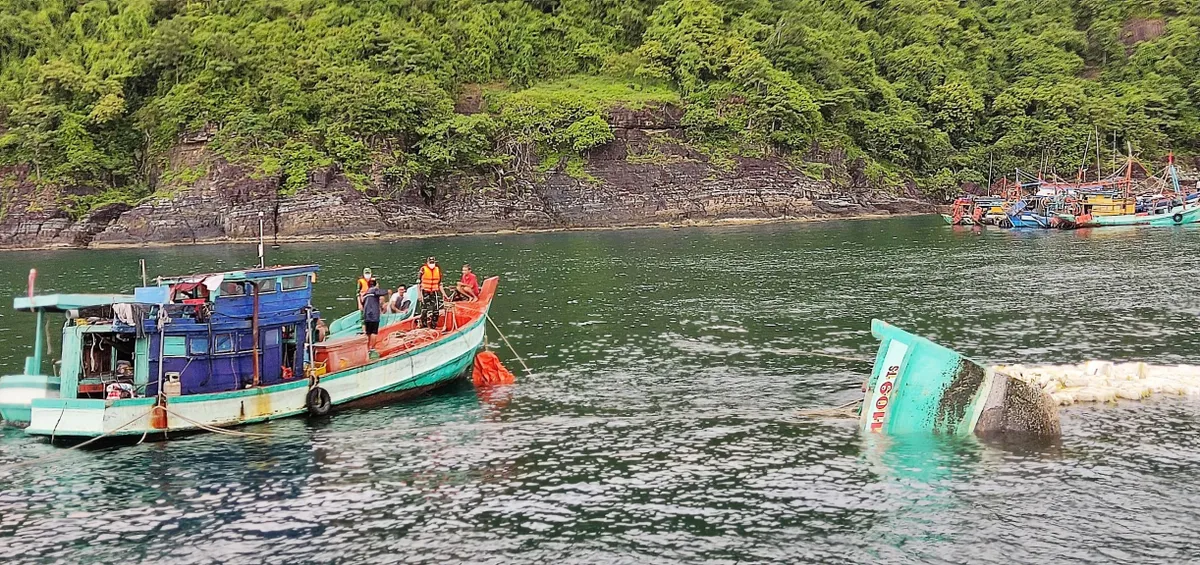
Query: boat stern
point(17, 393)
point(90, 417)
point(919, 386)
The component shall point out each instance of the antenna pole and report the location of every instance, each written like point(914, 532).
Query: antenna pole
point(261, 262)
point(989, 186)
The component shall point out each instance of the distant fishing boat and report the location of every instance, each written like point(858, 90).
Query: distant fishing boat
point(917, 386)
point(1170, 206)
point(1173, 216)
point(1032, 201)
point(211, 351)
point(975, 211)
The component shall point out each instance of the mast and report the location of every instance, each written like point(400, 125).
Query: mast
point(261, 262)
point(254, 332)
point(1083, 162)
point(33, 365)
point(1174, 175)
point(989, 188)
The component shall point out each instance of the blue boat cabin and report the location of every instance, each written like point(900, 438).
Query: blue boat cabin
point(194, 334)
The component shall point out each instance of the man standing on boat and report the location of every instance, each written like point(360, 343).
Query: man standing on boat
point(370, 311)
point(432, 292)
point(364, 283)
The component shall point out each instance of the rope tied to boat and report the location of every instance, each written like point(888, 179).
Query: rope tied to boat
point(214, 429)
point(63, 453)
point(838, 357)
point(510, 347)
point(847, 410)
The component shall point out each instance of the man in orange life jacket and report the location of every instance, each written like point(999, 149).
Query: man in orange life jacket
point(364, 283)
point(431, 292)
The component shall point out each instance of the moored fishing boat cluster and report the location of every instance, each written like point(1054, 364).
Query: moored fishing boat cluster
point(1122, 198)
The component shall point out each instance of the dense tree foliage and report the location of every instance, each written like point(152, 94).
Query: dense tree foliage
point(93, 93)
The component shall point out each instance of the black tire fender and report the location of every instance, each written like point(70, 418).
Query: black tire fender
point(1178, 218)
point(318, 402)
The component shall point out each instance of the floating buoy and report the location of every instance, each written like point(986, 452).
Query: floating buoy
point(158, 417)
point(489, 371)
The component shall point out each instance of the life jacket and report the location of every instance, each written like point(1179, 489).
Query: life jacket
point(363, 285)
point(431, 279)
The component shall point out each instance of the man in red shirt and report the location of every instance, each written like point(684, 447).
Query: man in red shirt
point(468, 286)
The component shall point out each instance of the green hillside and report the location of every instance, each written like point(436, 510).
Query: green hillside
point(93, 94)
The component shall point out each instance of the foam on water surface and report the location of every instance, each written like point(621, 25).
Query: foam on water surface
point(1105, 381)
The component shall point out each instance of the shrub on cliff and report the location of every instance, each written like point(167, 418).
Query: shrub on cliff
point(94, 93)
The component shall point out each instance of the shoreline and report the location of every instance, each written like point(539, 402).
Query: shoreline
point(389, 236)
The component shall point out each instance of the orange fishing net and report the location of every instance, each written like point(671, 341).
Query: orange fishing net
point(489, 371)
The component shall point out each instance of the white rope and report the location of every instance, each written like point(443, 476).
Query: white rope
point(214, 429)
point(77, 446)
point(510, 347)
point(838, 357)
point(847, 410)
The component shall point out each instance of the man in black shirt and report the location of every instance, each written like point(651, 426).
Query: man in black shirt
point(370, 312)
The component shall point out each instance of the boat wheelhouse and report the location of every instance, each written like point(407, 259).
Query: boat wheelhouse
point(187, 335)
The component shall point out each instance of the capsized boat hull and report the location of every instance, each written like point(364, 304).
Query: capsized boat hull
point(917, 386)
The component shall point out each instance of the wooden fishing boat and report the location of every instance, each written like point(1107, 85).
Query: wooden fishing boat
point(1018, 216)
point(1167, 205)
point(917, 386)
point(212, 351)
point(975, 211)
point(1171, 216)
point(960, 212)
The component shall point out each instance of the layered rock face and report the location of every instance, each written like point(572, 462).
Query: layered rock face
point(646, 176)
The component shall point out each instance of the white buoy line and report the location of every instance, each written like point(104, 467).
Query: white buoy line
point(1105, 381)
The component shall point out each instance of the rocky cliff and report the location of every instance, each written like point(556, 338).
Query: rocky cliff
point(646, 176)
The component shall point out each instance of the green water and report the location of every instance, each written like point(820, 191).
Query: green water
point(659, 424)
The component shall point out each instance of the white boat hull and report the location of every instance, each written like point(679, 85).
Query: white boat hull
point(396, 376)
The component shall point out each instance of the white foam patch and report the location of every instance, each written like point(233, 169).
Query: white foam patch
point(1104, 381)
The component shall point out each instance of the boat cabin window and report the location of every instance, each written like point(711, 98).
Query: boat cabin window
point(289, 345)
point(266, 286)
point(175, 345)
point(188, 293)
point(106, 359)
point(233, 288)
point(223, 343)
point(198, 345)
point(296, 282)
point(271, 337)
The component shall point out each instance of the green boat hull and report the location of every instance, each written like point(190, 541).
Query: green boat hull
point(917, 386)
point(1189, 215)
